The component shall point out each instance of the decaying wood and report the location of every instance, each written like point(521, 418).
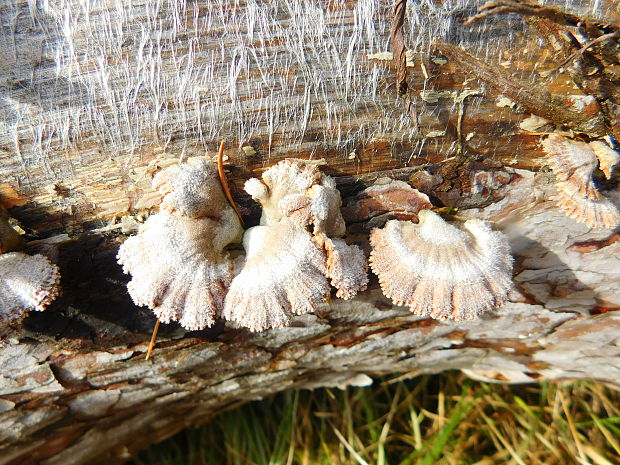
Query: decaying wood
point(398, 45)
point(529, 8)
point(556, 107)
point(79, 385)
point(97, 97)
point(590, 48)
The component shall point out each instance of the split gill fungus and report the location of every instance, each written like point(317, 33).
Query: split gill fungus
point(440, 270)
point(27, 282)
point(296, 251)
point(574, 162)
point(178, 261)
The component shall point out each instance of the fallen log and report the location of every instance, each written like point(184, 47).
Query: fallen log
point(98, 97)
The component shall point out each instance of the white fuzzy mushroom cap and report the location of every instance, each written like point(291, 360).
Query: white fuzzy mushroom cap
point(440, 270)
point(298, 190)
point(284, 275)
point(192, 190)
point(27, 282)
point(295, 251)
point(288, 177)
point(573, 163)
point(177, 260)
point(319, 208)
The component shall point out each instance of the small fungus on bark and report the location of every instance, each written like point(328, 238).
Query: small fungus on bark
point(295, 250)
point(27, 282)
point(178, 260)
point(439, 270)
point(608, 158)
point(573, 163)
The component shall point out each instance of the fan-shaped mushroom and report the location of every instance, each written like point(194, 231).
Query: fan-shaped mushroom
point(27, 282)
point(440, 270)
point(283, 275)
point(608, 158)
point(573, 163)
point(295, 250)
point(178, 262)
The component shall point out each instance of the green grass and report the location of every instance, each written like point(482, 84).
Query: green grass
point(446, 419)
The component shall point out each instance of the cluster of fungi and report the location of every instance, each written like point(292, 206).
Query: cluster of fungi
point(182, 266)
point(290, 260)
point(438, 269)
point(297, 251)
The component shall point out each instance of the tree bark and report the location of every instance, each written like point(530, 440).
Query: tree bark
point(96, 97)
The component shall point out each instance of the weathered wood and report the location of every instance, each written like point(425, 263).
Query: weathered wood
point(97, 96)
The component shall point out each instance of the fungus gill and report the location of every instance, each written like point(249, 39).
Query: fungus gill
point(573, 163)
point(178, 262)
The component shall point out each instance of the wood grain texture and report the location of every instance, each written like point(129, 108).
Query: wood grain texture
point(96, 95)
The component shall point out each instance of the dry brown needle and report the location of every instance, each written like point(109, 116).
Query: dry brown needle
point(224, 182)
point(152, 343)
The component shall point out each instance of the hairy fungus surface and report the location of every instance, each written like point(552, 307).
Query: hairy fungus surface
point(573, 163)
point(439, 270)
point(346, 267)
point(289, 178)
point(178, 262)
point(27, 282)
point(298, 190)
point(608, 158)
point(296, 251)
point(283, 275)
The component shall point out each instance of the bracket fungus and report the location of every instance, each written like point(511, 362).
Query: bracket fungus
point(295, 250)
point(283, 275)
point(573, 163)
point(439, 270)
point(27, 282)
point(178, 262)
point(608, 158)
